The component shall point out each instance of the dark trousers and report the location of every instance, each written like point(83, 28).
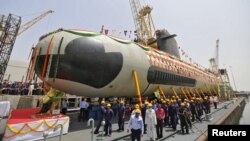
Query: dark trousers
point(98, 125)
point(215, 105)
point(108, 128)
point(121, 123)
point(82, 115)
point(136, 134)
point(166, 121)
point(189, 121)
point(193, 116)
point(184, 124)
point(64, 111)
point(159, 128)
point(173, 121)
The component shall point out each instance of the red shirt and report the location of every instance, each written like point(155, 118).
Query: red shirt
point(160, 113)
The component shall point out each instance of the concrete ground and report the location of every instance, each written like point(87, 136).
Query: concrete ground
point(79, 131)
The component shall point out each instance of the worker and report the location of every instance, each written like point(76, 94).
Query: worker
point(64, 106)
point(199, 106)
point(102, 112)
point(165, 107)
point(121, 117)
point(183, 118)
point(135, 107)
point(83, 110)
point(150, 119)
point(31, 89)
point(205, 104)
point(172, 114)
point(108, 118)
point(215, 100)
point(135, 125)
point(208, 105)
point(143, 114)
point(196, 110)
point(160, 115)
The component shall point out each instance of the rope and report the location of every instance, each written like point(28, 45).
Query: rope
point(32, 129)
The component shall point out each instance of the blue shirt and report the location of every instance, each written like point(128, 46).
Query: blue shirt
point(136, 123)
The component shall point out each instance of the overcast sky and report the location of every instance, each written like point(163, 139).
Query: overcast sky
point(197, 24)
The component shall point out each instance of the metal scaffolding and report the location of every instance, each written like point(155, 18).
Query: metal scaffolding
point(10, 25)
point(226, 90)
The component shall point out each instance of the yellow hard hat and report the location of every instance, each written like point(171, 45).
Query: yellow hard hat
point(137, 111)
point(108, 105)
point(191, 101)
point(102, 102)
point(182, 104)
point(137, 106)
point(149, 105)
point(146, 103)
point(163, 101)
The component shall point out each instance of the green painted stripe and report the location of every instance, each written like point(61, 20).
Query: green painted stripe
point(57, 59)
point(171, 57)
point(158, 52)
point(86, 34)
point(145, 48)
point(121, 41)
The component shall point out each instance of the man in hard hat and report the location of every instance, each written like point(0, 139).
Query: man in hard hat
point(102, 112)
point(135, 107)
point(108, 118)
point(150, 120)
point(136, 126)
point(165, 107)
point(121, 116)
point(173, 114)
point(183, 119)
point(143, 114)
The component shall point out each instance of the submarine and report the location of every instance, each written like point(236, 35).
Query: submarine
point(92, 64)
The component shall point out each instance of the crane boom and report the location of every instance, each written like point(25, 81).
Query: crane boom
point(32, 22)
point(143, 22)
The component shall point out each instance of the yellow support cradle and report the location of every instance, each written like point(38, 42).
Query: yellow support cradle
point(137, 87)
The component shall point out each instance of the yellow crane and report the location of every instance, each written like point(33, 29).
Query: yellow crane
point(143, 21)
point(33, 21)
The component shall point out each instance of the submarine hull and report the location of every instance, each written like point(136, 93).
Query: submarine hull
point(95, 65)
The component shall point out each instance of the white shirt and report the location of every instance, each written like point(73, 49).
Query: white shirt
point(215, 99)
point(150, 117)
point(64, 104)
point(31, 87)
point(136, 123)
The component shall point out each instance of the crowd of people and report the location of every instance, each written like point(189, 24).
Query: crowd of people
point(152, 116)
point(19, 88)
point(149, 118)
